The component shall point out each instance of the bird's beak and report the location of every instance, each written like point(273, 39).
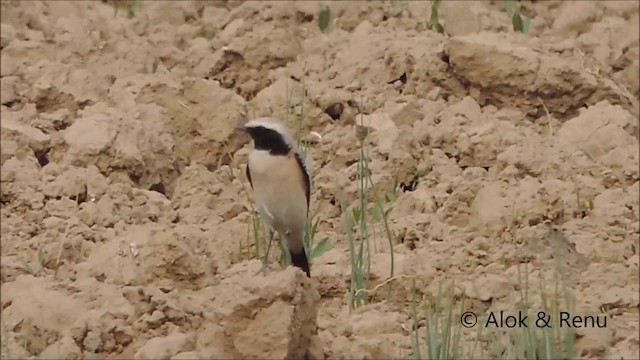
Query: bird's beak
point(241, 128)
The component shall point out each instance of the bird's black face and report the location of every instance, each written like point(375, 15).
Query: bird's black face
point(268, 139)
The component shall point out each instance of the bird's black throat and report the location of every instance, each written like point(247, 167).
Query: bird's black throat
point(269, 140)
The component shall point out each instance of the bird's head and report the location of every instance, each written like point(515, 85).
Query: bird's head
point(269, 134)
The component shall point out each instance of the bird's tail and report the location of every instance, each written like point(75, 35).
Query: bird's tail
point(300, 260)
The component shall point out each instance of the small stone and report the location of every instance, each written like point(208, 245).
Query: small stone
point(434, 94)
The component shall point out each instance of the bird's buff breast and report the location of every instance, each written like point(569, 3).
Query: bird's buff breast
point(278, 191)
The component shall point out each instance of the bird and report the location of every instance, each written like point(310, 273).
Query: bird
point(281, 185)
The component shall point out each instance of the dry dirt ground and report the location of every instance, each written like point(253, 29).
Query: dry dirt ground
point(125, 217)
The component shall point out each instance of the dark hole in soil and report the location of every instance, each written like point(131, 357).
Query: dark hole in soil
point(334, 110)
point(42, 156)
point(159, 187)
point(135, 178)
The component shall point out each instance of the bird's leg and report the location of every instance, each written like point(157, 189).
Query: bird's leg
point(263, 268)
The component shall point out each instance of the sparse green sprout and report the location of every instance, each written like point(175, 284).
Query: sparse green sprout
point(434, 23)
point(355, 214)
point(207, 34)
point(132, 8)
point(378, 213)
point(320, 248)
point(309, 235)
point(519, 23)
point(41, 258)
point(446, 314)
point(415, 339)
point(516, 20)
point(28, 267)
point(361, 216)
point(441, 331)
point(324, 18)
point(285, 259)
point(586, 207)
point(392, 193)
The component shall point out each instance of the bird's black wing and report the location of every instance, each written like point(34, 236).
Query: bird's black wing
point(249, 175)
point(305, 176)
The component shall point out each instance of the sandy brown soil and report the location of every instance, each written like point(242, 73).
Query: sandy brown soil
point(125, 221)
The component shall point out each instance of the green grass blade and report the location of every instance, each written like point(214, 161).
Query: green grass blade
point(508, 7)
point(324, 18)
point(320, 248)
point(132, 8)
point(517, 22)
point(415, 343)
